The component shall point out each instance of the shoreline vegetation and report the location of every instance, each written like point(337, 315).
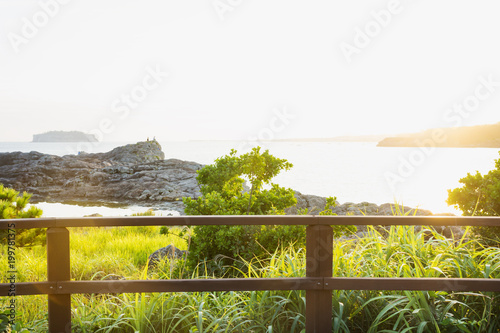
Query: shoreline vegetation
point(124, 253)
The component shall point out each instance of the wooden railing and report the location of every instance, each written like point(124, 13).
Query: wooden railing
point(318, 282)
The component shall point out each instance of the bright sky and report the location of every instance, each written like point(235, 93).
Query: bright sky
point(239, 69)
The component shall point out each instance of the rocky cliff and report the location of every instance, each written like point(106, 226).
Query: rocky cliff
point(132, 174)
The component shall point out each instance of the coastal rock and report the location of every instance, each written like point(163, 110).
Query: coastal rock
point(312, 203)
point(132, 174)
point(167, 252)
point(141, 152)
point(315, 204)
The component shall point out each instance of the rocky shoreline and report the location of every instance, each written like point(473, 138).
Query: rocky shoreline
point(132, 174)
point(135, 174)
point(314, 204)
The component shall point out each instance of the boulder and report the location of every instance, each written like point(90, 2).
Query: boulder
point(132, 174)
point(313, 203)
point(167, 252)
point(137, 153)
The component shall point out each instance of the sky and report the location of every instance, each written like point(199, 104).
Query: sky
point(246, 69)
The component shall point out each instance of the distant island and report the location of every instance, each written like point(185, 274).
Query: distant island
point(349, 138)
point(62, 136)
point(481, 136)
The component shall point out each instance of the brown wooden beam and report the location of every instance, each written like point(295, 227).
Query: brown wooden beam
point(319, 261)
point(441, 284)
point(58, 269)
point(334, 283)
point(195, 285)
point(250, 220)
point(28, 288)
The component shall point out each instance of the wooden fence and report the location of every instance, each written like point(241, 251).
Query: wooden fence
point(318, 282)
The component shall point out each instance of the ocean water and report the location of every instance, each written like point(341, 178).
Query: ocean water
point(351, 171)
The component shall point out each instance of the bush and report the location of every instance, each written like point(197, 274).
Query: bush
point(13, 206)
point(480, 195)
point(223, 193)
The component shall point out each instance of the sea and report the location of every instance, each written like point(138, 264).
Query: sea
point(351, 171)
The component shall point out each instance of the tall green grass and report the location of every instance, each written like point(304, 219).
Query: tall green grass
point(396, 252)
point(95, 253)
point(404, 252)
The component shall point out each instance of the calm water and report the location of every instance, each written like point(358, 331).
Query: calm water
point(354, 172)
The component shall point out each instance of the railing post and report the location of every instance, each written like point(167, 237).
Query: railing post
point(58, 269)
point(319, 261)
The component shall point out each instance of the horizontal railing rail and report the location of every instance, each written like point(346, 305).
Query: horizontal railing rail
point(318, 283)
point(67, 222)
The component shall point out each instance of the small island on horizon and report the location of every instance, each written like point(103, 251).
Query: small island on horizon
point(64, 136)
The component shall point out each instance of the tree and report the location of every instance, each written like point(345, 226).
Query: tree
point(224, 193)
point(13, 206)
point(479, 195)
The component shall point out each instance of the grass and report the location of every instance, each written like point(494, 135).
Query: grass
point(398, 252)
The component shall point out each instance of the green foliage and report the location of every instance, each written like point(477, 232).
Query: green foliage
point(222, 186)
point(480, 195)
point(402, 252)
point(13, 206)
point(149, 212)
point(6, 319)
point(223, 193)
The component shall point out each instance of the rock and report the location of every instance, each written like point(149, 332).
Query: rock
point(93, 215)
point(131, 174)
point(453, 232)
point(167, 252)
point(113, 277)
point(141, 152)
point(313, 203)
point(103, 276)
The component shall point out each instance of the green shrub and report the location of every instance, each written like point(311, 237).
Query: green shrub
point(13, 206)
point(223, 193)
point(149, 212)
point(480, 195)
